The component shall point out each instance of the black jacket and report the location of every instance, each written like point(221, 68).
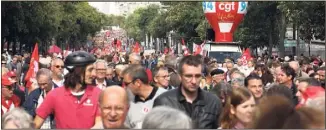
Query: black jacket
point(30, 105)
point(108, 82)
point(206, 108)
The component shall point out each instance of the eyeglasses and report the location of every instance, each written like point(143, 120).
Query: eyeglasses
point(59, 66)
point(8, 87)
point(127, 83)
point(100, 69)
point(165, 76)
point(42, 84)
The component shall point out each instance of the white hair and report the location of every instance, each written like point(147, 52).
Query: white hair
point(20, 117)
point(163, 117)
point(317, 103)
point(135, 56)
point(120, 67)
point(102, 61)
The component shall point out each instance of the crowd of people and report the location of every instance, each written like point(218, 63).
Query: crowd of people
point(157, 91)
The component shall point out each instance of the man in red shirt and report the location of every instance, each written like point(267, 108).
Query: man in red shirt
point(76, 104)
point(8, 99)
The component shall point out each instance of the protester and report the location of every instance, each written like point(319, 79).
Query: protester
point(222, 90)
point(161, 78)
point(277, 112)
point(101, 81)
point(321, 73)
point(17, 89)
point(76, 104)
point(280, 90)
point(109, 73)
point(163, 117)
point(255, 85)
point(57, 68)
point(37, 96)
point(189, 95)
point(136, 59)
point(286, 77)
point(17, 119)
point(9, 100)
point(239, 109)
point(135, 79)
point(114, 106)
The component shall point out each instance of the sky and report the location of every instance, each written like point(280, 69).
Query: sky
point(105, 7)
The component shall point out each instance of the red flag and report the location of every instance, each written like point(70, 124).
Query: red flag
point(183, 41)
point(33, 67)
point(66, 52)
point(311, 93)
point(166, 51)
point(246, 56)
point(118, 46)
point(136, 48)
point(186, 52)
point(199, 49)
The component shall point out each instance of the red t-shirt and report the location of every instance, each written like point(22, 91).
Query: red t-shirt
point(68, 112)
point(149, 75)
point(5, 107)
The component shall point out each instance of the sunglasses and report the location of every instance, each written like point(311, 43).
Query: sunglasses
point(126, 83)
point(59, 66)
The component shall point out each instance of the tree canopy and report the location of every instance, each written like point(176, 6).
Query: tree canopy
point(67, 22)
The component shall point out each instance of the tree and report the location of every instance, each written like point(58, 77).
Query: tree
point(30, 22)
point(184, 18)
point(258, 26)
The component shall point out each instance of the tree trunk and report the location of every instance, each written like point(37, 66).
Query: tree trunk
point(298, 42)
point(270, 37)
point(14, 46)
point(282, 35)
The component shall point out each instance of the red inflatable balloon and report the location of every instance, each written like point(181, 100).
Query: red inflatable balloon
point(224, 17)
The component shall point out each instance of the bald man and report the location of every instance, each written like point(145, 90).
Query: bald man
point(295, 65)
point(114, 105)
point(136, 59)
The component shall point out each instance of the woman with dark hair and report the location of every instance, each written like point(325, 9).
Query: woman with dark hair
point(278, 112)
point(314, 75)
point(238, 110)
point(266, 76)
point(222, 90)
point(76, 104)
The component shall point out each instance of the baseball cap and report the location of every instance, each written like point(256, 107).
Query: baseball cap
point(5, 81)
point(11, 74)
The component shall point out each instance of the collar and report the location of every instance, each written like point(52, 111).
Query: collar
point(181, 97)
point(151, 96)
point(88, 90)
point(104, 82)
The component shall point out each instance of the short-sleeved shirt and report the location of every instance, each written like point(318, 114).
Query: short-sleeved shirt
point(69, 112)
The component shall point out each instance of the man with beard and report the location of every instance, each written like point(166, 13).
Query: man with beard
point(76, 104)
point(57, 67)
point(190, 98)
